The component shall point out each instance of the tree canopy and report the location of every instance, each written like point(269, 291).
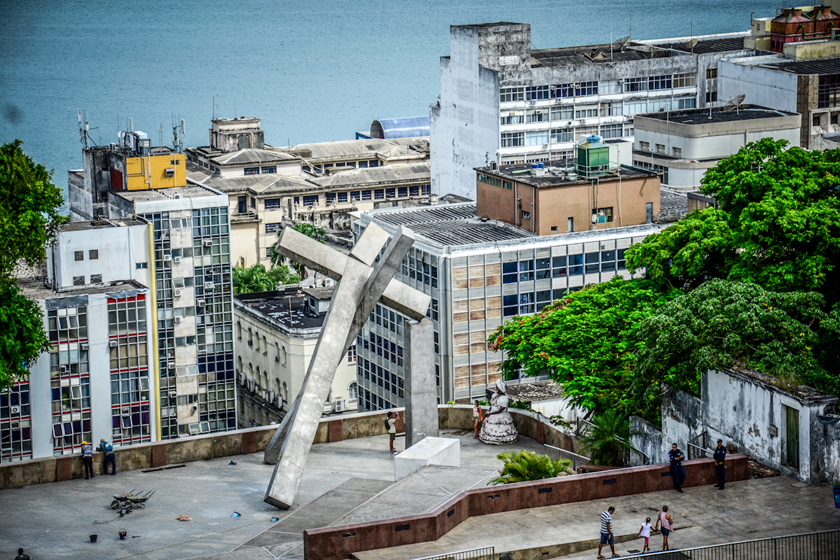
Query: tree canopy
point(257, 279)
point(777, 224)
point(308, 230)
point(29, 219)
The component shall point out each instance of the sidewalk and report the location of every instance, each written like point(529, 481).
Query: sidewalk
point(704, 515)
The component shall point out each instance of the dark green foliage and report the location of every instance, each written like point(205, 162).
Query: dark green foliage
point(308, 230)
point(608, 439)
point(524, 466)
point(22, 338)
point(257, 279)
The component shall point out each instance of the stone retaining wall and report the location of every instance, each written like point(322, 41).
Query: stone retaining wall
point(252, 440)
point(339, 543)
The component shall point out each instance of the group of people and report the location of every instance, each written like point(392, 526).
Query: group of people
point(109, 458)
point(664, 523)
point(676, 457)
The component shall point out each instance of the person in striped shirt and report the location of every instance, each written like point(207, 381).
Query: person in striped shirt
point(606, 532)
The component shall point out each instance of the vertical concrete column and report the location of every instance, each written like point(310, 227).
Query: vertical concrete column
point(421, 410)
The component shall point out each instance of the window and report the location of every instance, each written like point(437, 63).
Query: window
point(366, 195)
point(536, 138)
point(252, 171)
point(513, 139)
point(659, 105)
point(562, 90)
point(310, 200)
point(78, 280)
point(828, 91)
point(342, 197)
point(635, 107)
point(660, 149)
point(612, 131)
point(269, 252)
point(141, 265)
point(272, 203)
point(353, 390)
point(95, 278)
point(270, 169)
point(351, 355)
point(685, 103)
point(685, 80)
point(390, 193)
point(635, 84)
point(330, 198)
point(507, 185)
point(562, 135)
point(659, 82)
point(93, 254)
point(711, 97)
point(575, 264)
point(609, 86)
point(711, 73)
point(378, 194)
point(537, 116)
point(570, 225)
point(273, 227)
point(533, 93)
point(602, 215)
point(644, 146)
point(79, 255)
point(507, 95)
point(586, 112)
point(553, 228)
point(242, 204)
point(649, 212)
point(677, 152)
point(373, 163)
point(611, 109)
point(512, 118)
point(565, 113)
point(586, 88)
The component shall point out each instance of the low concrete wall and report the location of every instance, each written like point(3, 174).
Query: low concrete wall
point(339, 543)
point(252, 440)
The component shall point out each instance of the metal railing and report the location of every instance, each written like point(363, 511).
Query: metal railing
point(698, 446)
point(577, 460)
point(582, 423)
point(484, 553)
point(823, 545)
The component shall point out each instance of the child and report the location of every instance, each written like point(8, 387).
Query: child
point(645, 532)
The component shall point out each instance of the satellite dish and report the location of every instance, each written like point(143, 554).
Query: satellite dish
point(621, 42)
point(733, 103)
point(691, 44)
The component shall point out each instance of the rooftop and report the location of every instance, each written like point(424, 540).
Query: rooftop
point(320, 293)
point(822, 66)
point(555, 174)
point(283, 308)
point(34, 288)
point(371, 176)
point(172, 193)
point(102, 224)
point(252, 155)
point(717, 115)
point(358, 149)
point(594, 54)
point(704, 46)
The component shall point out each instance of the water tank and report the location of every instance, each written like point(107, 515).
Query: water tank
point(593, 158)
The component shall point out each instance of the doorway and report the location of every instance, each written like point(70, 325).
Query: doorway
point(791, 450)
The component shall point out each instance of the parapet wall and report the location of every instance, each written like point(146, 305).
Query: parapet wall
point(339, 543)
point(253, 440)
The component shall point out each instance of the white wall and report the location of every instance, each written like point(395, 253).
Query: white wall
point(465, 127)
point(760, 85)
point(711, 147)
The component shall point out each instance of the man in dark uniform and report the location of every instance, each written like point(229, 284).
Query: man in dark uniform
point(677, 470)
point(720, 468)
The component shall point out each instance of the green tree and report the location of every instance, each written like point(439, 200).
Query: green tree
point(724, 324)
point(524, 466)
point(607, 440)
point(585, 341)
point(257, 279)
point(22, 338)
point(777, 224)
point(308, 230)
point(29, 210)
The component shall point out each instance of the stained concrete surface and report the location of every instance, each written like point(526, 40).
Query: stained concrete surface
point(54, 520)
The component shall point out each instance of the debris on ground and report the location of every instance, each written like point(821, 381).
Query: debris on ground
point(184, 518)
point(757, 470)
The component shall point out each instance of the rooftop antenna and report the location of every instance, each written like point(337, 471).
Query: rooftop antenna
point(692, 41)
point(178, 131)
point(631, 28)
point(84, 129)
point(734, 103)
point(621, 42)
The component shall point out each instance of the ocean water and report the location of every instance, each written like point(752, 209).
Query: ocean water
point(312, 71)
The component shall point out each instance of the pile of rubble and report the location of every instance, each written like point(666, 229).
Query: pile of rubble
point(757, 470)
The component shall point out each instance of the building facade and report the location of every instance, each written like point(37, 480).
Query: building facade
point(276, 335)
point(506, 102)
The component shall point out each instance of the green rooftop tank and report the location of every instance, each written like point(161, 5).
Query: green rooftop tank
point(593, 158)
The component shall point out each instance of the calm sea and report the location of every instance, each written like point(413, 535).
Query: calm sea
point(313, 71)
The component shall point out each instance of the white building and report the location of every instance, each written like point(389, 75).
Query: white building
point(503, 101)
point(683, 145)
point(97, 380)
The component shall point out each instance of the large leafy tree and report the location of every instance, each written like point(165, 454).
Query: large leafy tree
point(777, 224)
point(29, 219)
point(308, 230)
point(257, 279)
point(586, 341)
point(725, 324)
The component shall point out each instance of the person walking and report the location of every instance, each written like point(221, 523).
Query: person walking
point(720, 466)
point(478, 417)
point(677, 470)
point(667, 526)
point(392, 430)
point(606, 532)
point(109, 458)
point(87, 456)
point(644, 532)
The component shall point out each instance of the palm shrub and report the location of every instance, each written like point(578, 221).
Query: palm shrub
point(524, 466)
point(308, 230)
point(608, 439)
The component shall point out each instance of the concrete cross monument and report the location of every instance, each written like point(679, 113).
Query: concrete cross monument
point(362, 282)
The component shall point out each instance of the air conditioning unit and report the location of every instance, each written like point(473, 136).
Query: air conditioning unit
point(208, 242)
point(242, 379)
point(199, 302)
point(251, 385)
point(170, 365)
point(339, 405)
point(170, 172)
point(113, 343)
point(271, 396)
point(178, 293)
point(84, 345)
point(176, 260)
point(178, 319)
point(172, 394)
point(209, 285)
point(167, 258)
point(15, 409)
point(62, 369)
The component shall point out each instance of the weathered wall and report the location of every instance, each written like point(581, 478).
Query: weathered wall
point(760, 85)
point(649, 442)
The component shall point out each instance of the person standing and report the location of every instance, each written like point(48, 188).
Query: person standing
point(677, 470)
point(110, 458)
point(478, 418)
point(392, 430)
point(606, 532)
point(720, 466)
point(87, 457)
point(21, 555)
point(644, 532)
point(667, 526)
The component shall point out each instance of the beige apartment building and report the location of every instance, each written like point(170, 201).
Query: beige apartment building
point(319, 183)
point(276, 334)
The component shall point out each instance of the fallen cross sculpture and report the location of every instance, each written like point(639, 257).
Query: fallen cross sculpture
point(362, 282)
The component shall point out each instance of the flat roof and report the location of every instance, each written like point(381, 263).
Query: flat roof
point(285, 307)
point(165, 194)
point(367, 148)
point(101, 223)
point(821, 66)
point(252, 155)
point(601, 53)
point(554, 174)
point(386, 174)
point(34, 288)
point(717, 115)
point(704, 46)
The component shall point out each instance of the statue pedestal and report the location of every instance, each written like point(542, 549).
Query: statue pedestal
point(430, 451)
